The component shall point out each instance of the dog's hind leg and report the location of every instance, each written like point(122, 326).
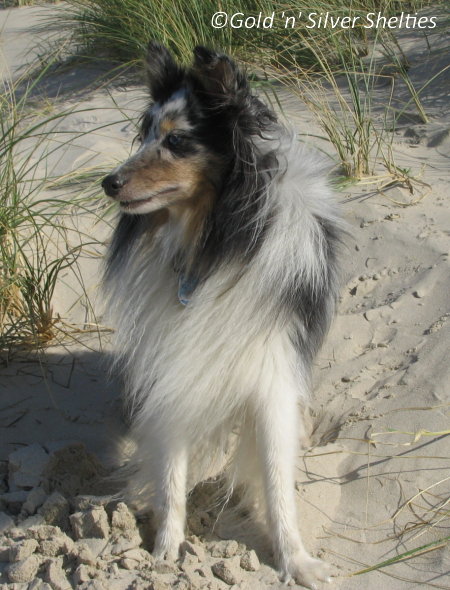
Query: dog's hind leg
point(278, 428)
point(170, 500)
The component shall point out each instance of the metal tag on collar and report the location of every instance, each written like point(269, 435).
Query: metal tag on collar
point(186, 288)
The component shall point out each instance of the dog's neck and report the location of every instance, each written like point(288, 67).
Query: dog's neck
point(184, 226)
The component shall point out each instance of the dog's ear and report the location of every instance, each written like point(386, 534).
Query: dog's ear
point(218, 74)
point(163, 75)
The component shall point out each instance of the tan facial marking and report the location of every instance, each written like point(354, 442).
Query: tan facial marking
point(158, 174)
point(184, 188)
point(166, 126)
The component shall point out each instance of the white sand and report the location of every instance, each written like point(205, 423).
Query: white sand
point(374, 484)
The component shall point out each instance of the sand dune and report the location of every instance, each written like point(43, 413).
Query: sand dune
point(375, 481)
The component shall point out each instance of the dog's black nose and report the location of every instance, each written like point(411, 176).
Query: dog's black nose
point(113, 183)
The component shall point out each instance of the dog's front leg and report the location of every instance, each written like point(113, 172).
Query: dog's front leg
point(278, 428)
point(170, 501)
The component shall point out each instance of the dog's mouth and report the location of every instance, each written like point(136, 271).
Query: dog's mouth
point(136, 203)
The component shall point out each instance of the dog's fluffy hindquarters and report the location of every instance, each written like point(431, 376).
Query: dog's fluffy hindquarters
point(222, 277)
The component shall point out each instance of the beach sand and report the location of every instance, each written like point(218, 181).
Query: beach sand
point(375, 482)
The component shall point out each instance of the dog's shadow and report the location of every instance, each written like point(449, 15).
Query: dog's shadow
point(57, 396)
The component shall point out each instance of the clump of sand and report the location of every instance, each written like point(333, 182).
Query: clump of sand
point(55, 533)
point(375, 482)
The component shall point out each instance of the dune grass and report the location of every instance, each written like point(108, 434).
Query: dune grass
point(37, 240)
point(439, 544)
point(122, 28)
point(352, 101)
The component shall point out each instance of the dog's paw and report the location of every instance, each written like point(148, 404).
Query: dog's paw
point(167, 548)
point(166, 553)
point(307, 570)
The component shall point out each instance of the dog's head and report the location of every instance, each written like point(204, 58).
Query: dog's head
point(196, 136)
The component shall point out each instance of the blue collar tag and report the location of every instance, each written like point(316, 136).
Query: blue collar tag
point(186, 288)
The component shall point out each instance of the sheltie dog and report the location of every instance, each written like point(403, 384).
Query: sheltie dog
point(222, 276)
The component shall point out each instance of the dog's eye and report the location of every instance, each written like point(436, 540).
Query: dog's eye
point(174, 140)
point(180, 144)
